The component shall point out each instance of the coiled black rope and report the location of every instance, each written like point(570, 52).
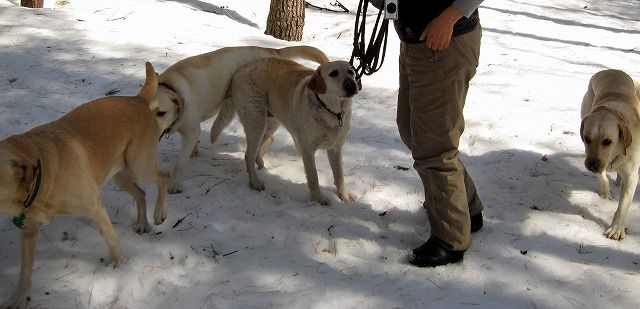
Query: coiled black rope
point(369, 59)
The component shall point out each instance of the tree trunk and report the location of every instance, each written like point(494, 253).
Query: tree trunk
point(286, 19)
point(32, 3)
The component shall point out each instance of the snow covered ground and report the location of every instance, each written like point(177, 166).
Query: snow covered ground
point(541, 246)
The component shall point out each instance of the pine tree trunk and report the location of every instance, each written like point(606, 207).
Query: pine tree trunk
point(32, 3)
point(286, 19)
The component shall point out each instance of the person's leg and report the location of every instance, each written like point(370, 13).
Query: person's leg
point(469, 46)
point(475, 205)
point(403, 121)
point(438, 87)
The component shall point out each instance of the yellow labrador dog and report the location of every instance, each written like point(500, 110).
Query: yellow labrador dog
point(193, 90)
point(58, 168)
point(610, 131)
point(314, 106)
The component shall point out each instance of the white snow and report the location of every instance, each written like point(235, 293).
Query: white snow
point(541, 246)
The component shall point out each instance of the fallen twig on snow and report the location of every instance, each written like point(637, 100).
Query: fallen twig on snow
point(230, 253)
point(180, 220)
point(338, 4)
point(123, 17)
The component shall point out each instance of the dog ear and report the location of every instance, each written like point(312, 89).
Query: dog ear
point(150, 87)
point(317, 84)
point(625, 136)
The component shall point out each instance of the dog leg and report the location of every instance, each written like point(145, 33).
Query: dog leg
point(335, 160)
point(267, 140)
point(103, 223)
point(189, 141)
point(124, 181)
point(162, 208)
point(309, 161)
point(28, 240)
point(196, 150)
point(250, 156)
point(628, 187)
point(253, 117)
point(603, 186)
point(143, 168)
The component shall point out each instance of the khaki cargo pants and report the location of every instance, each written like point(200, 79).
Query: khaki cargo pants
point(431, 98)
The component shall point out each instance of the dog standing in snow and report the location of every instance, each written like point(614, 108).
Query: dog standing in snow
point(58, 168)
point(610, 131)
point(313, 105)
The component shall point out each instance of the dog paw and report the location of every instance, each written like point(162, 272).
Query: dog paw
point(159, 216)
point(175, 188)
point(258, 186)
point(142, 228)
point(616, 232)
point(607, 195)
point(347, 196)
point(117, 261)
point(322, 200)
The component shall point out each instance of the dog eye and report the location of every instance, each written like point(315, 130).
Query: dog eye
point(351, 72)
point(587, 140)
point(606, 142)
point(161, 113)
point(333, 73)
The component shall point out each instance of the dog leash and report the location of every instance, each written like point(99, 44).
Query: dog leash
point(338, 115)
point(370, 57)
point(33, 193)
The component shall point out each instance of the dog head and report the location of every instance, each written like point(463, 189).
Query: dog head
point(335, 78)
point(605, 136)
point(169, 108)
point(162, 101)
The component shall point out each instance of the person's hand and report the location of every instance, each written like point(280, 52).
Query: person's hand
point(438, 33)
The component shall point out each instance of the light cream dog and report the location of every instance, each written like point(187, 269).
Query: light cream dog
point(58, 168)
point(314, 106)
point(193, 90)
point(610, 130)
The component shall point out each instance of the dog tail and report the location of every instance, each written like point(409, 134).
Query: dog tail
point(225, 115)
point(150, 87)
point(303, 52)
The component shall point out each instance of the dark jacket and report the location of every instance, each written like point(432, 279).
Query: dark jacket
point(415, 15)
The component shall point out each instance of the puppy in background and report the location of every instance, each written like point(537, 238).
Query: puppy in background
point(314, 106)
point(610, 131)
point(58, 169)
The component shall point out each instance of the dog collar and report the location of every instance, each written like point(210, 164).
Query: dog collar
point(168, 130)
point(613, 162)
point(338, 115)
point(33, 193)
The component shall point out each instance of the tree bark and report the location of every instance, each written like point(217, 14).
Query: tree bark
point(32, 3)
point(286, 19)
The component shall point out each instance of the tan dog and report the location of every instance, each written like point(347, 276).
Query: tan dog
point(193, 90)
point(58, 168)
point(610, 130)
point(314, 106)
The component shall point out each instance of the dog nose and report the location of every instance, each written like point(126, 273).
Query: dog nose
point(350, 87)
point(592, 165)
